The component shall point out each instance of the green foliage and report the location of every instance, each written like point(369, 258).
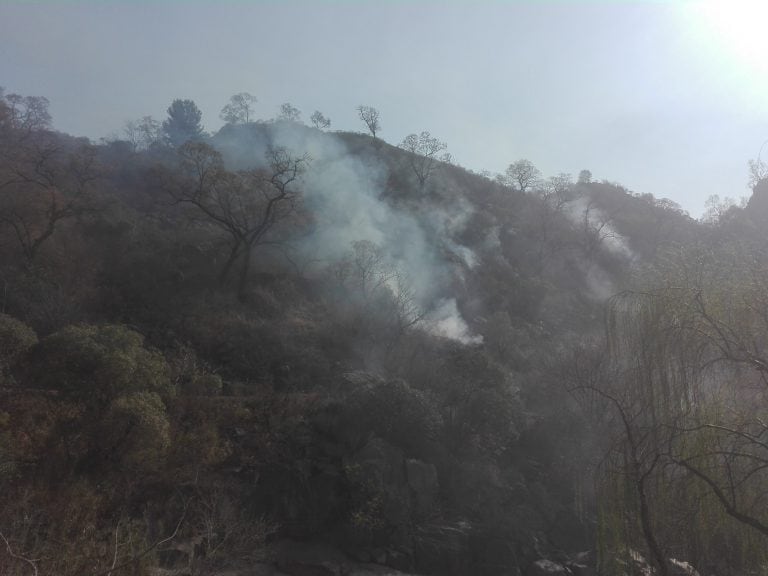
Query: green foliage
point(96, 364)
point(183, 122)
point(135, 431)
point(244, 439)
point(396, 412)
point(16, 339)
point(366, 506)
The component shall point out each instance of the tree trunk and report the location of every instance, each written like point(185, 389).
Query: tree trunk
point(242, 283)
point(233, 254)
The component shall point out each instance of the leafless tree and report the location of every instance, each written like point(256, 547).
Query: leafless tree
point(370, 116)
point(289, 113)
point(143, 133)
point(239, 110)
point(44, 180)
point(522, 175)
point(596, 227)
point(423, 155)
point(376, 288)
point(24, 114)
point(319, 121)
point(246, 205)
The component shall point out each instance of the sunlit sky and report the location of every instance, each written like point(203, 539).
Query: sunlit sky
point(666, 98)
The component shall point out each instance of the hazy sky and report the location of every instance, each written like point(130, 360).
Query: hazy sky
point(666, 98)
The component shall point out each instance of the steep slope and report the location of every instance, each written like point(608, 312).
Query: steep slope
point(381, 375)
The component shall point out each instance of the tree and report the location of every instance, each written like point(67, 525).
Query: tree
point(585, 177)
point(554, 194)
point(423, 159)
point(183, 122)
point(370, 116)
point(16, 339)
point(597, 227)
point(631, 404)
point(44, 180)
point(378, 297)
point(522, 175)
point(144, 133)
point(96, 364)
point(111, 390)
point(239, 109)
point(289, 113)
point(686, 370)
point(558, 190)
point(717, 208)
point(24, 114)
point(319, 121)
point(246, 205)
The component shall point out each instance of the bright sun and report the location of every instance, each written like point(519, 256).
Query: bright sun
point(740, 27)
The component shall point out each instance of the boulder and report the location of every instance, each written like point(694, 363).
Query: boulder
point(547, 568)
point(379, 467)
point(680, 568)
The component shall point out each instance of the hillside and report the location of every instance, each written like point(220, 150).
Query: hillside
point(294, 349)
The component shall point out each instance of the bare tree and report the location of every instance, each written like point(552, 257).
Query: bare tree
point(289, 113)
point(319, 121)
point(24, 114)
point(377, 294)
point(370, 116)
point(423, 158)
point(246, 205)
point(43, 179)
point(522, 175)
point(239, 109)
point(143, 133)
point(597, 228)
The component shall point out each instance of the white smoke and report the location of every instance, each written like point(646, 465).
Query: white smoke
point(343, 192)
point(445, 321)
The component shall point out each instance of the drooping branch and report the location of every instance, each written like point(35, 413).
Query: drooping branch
point(29, 561)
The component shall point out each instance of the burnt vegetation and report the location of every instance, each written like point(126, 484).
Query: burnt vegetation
point(212, 345)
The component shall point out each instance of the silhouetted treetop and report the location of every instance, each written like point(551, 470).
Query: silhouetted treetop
point(183, 122)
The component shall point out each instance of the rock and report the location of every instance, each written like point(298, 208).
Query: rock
point(547, 568)
point(444, 548)
point(635, 564)
point(399, 560)
point(580, 569)
point(582, 564)
point(381, 467)
point(680, 568)
point(260, 569)
point(375, 570)
point(303, 569)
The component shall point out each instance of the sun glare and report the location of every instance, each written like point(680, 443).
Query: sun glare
point(739, 27)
